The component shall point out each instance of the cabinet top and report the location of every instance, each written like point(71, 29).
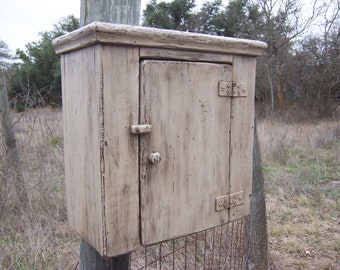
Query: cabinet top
point(126, 35)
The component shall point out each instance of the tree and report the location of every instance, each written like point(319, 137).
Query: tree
point(242, 17)
point(36, 78)
point(237, 19)
point(175, 15)
point(5, 55)
point(212, 19)
point(13, 167)
point(282, 25)
point(317, 65)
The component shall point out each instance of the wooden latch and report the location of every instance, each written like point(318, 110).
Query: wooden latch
point(140, 129)
point(231, 89)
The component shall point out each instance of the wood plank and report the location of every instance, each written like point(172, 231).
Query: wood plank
point(82, 133)
point(242, 135)
point(99, 32)
point(120, 76)
point(191, 131)
point(155, 53)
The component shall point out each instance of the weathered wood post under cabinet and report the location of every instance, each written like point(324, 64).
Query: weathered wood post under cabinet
point(111, 11)
point(158, 132)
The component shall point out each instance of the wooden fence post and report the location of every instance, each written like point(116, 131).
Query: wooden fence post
point(90, 259)
point(112, 11)
point(257, 238)
point(8, 135)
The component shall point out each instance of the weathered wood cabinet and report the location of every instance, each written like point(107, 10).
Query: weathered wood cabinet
point(158, 132)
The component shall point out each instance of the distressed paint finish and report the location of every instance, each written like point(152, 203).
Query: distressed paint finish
point(99, 32)
point(164, 54)
point(242, 135)
point(118, 78)
point(140, 129)
point(99, 108)
point(120, 105)
point(191, 126)
point(82, 136)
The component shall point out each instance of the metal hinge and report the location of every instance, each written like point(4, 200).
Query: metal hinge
point(229, 201)
point(231, 89)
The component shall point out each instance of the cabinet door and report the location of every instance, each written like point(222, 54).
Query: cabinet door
point(190, 146)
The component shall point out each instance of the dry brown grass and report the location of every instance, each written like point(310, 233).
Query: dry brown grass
point(37, 237)
point(301, 163)
point(301, 169)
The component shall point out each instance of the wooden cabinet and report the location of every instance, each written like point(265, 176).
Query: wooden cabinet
point(158, 132)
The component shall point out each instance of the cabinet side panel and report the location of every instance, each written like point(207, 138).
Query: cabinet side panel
point(120, 67)
point(81, 112)
point(242, 135)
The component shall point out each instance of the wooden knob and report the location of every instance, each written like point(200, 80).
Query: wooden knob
point(155, 157)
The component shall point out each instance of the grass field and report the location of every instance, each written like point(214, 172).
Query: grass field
point(302, 181)
point(301, 166)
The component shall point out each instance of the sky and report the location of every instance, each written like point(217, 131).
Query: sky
point(22, 20)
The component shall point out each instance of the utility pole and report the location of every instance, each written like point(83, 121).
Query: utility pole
point(111, 11)
point(120, 12)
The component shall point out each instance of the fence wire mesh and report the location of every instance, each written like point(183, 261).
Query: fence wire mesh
point(223, 247)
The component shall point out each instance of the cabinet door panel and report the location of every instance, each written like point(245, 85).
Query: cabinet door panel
point(191, 132)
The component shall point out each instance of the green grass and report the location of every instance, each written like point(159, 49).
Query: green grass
point(306, 174)
point(301, 168)
point(56, 141)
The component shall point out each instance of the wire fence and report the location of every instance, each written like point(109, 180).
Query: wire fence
point(223, 247)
